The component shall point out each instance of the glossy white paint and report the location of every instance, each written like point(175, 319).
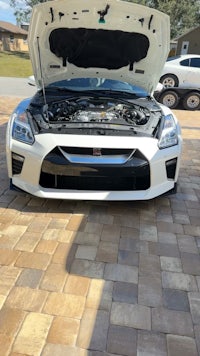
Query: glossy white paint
point(122, 16)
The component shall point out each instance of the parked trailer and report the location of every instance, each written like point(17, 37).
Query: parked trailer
point(174, 96)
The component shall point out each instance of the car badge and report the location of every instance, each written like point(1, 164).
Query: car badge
point(96, 152)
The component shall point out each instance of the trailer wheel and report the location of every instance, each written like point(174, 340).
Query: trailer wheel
point(169, 98)
point(192, 101)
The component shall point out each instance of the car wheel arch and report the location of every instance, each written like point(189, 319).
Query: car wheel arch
point(169, 80)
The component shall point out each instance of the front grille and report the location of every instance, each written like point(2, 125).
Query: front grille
point(94, 183)
point(58, 172)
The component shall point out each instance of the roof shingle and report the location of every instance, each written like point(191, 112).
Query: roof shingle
point(9, 27)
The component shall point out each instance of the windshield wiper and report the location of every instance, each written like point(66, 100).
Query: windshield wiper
point(60, 89)
point(118, 93)
point(95, 92)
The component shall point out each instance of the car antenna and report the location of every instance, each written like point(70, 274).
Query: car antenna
point(43, 87)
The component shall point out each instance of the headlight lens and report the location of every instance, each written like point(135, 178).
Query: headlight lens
point(169, 136)
point(21, 130)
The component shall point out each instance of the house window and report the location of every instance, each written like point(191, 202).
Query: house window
point(11, 38)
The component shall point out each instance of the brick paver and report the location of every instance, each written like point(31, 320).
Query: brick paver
point(101, 278)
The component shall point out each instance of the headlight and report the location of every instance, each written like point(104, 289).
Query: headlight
point(21, 130)
point(169, 135)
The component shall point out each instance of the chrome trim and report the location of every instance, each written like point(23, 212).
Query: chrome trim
point(87, 159)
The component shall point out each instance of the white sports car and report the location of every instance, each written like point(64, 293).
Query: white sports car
point(182, 71)
point(94, 131)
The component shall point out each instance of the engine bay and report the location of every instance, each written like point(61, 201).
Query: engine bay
point(108, 113)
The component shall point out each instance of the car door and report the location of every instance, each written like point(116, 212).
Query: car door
point(192, 75)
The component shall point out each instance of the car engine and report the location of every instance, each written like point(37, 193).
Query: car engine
point(101, 112)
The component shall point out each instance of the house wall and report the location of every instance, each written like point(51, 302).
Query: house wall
point(193, 38)
point(17, 43)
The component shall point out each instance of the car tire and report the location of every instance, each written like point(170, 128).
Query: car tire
point(169, 81)
point(192, 101)
point(169, 98)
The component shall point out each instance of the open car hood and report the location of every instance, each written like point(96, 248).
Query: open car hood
point(95, 38)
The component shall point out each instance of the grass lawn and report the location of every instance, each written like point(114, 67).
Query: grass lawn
point(15, 64)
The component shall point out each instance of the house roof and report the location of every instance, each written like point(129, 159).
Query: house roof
point(189, 31)
point(9, 27)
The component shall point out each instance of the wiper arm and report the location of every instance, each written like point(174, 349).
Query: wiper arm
point(60, 89)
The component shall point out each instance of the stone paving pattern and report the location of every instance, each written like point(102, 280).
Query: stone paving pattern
point(102, 278)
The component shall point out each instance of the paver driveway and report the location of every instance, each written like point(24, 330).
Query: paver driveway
point(102, 278)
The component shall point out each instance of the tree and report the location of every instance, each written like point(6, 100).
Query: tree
point(184, 14)
point(23, 8)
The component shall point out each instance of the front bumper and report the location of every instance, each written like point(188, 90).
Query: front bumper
point(45, 172)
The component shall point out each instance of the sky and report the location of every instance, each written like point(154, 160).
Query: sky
point(6, 12)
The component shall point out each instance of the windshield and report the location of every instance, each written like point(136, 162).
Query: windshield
point(172, 58)
point(85, 84)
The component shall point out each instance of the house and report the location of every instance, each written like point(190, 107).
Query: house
point(173, 46)
point(189, 43)
point(12, 37)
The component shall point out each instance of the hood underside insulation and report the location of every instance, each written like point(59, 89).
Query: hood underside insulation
point(98, 48)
